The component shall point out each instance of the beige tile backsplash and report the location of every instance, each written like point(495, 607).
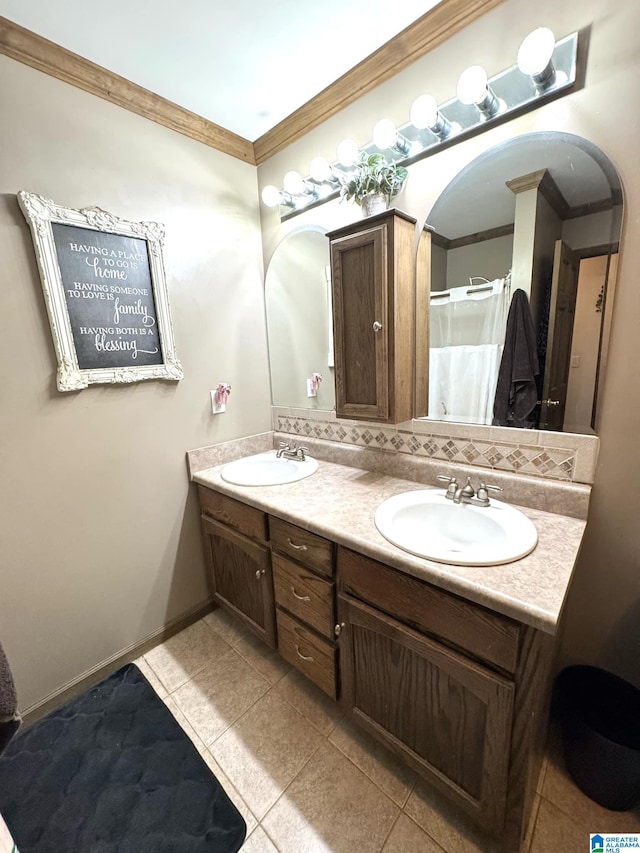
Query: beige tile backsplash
point(536, 453)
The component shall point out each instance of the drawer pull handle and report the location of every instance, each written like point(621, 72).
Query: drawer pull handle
point(304, 657)
point(259, 573)
point(300, 597)
point(297, 547)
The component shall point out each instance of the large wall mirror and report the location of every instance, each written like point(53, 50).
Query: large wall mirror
point(297, 297)
point(541, 213)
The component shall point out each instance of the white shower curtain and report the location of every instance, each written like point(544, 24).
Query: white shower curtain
point(466, 328)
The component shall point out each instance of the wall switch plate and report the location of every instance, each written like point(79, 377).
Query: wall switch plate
point(575, 361)
point(216, 407)
point(311, 391)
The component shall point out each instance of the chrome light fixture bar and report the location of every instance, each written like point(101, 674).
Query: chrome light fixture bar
point(545, 70)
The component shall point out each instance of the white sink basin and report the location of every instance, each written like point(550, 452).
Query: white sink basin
point(427, 524)
point(265, 469)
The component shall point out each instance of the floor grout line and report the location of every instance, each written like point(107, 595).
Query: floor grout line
point(393, 826)
point(264, 829)
point(289, 784)
point(244, 713)
point(370, 778)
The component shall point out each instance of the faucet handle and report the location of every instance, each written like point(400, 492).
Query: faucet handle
point(483, 491)
point(452, 484)
point(300, 451)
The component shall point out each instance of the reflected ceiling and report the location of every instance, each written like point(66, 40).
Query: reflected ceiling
point(575, 165)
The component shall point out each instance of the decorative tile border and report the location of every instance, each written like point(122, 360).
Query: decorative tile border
point(557, 456)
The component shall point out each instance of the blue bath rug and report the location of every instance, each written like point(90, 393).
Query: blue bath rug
point(112, 772)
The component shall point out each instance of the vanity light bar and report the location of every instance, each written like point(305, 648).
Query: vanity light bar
point(519, 89)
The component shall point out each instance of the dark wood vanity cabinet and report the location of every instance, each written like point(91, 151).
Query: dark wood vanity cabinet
point(459, 691)
point(239, 558)
point(373, 281)
point(456, 690)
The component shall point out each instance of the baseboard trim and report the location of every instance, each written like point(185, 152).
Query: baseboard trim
point(105, 668)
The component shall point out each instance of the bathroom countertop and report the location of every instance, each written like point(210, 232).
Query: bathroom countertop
point(339, 503)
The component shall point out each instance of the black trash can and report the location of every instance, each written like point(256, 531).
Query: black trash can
point(600, 716)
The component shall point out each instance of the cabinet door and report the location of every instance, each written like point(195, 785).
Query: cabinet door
point(242, 580)
point(361, 333)
point(449, 717)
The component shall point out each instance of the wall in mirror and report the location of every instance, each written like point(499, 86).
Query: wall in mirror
point(539, 213)
point(298, 308)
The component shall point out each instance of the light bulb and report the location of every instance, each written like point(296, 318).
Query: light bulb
point(536, 51)
point(424, 112)
point(271, 196)
point(472, 85)
point(385, 134)
point(320, 170)
point(293, 183)
point(473, 89)
point(347, 152)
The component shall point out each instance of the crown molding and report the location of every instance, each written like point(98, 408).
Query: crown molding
point(31, 49)
point(472, 239)
point(425, 34)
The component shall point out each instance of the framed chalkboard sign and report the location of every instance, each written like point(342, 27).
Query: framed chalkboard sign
point(106, 294)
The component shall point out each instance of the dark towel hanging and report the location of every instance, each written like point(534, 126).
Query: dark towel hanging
point(517, 390)
point(9, 718)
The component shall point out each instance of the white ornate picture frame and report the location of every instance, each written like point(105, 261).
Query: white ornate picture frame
point(106, 294)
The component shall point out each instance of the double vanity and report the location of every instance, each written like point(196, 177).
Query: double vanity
point(448, 665)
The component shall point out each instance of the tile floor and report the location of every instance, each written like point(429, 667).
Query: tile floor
point(306, 781)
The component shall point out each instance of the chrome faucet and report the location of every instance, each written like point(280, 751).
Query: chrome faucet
point(467, 494)
point(291, 452)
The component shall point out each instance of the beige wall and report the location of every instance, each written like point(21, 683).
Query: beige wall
point(489, 259)
point(99, 540)
point(603, 612)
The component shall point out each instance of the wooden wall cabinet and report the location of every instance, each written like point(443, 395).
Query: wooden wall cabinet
point(374, 317)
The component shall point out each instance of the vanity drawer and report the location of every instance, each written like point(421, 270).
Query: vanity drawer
point(314, 657)
point(246, 519)
point(304, 594)
point(481, 632)
point(305, 547)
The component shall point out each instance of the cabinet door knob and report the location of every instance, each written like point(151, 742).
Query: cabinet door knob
point(259, 573)
point(300, 597)
point(339, 628)
point(377, 326)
